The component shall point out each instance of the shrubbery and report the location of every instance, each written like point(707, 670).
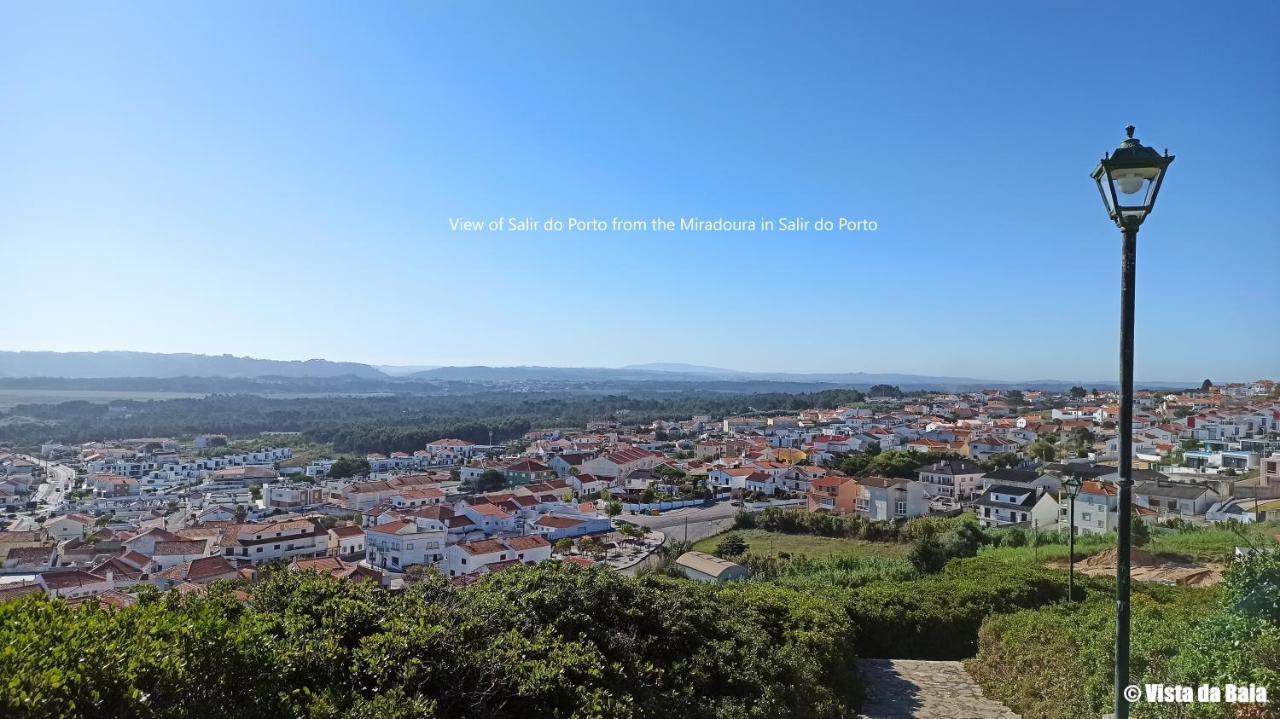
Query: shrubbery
point(1056, 662)
point(847, 526)
point(833, 571)
point(553, 641)
point(938, 617)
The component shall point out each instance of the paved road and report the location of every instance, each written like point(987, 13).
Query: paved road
point(905, 688)
point(53, 493)
point(60, 480)
point(702, 521)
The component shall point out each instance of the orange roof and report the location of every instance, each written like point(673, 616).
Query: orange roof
point(531, 542)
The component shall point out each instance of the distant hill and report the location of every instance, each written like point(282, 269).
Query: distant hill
point(149, 364)
point(403, 370)
point(114, 365)
point(666, 372)
point(684, 369)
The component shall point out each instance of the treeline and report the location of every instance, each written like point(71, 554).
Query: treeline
point(385, 423)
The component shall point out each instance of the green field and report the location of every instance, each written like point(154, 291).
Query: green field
point(760, 541)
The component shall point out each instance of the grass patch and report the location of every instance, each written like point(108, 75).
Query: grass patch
point(760, 541)
point(1204, 544)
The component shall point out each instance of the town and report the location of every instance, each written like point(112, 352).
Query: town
point(98, 519)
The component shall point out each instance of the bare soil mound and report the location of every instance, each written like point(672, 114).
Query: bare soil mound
point(1146, 567)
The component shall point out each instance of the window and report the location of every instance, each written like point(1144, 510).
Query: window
point(862, 505)
point(900, 507)
point(1085, 516)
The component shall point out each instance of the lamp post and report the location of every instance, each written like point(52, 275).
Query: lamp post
point(1133, 173)
point(1072, 485)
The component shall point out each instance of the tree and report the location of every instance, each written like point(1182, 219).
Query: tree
point(928, 555)
point(1206, 385)
point(892, 463)
point(1003, 459)
point(1078, 392)
point(1015, 397)
point(1043, 451)
point(490, 480)
point(884, 390)
point(1139, 532)
point(855, 463)
point(347, 467)
point(731, 546)
point(630, 530)
point(613, 508)
point(564, 546)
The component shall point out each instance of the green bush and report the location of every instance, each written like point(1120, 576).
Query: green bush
point(554, 641)
point(838, 571)
point(938, 617)
point(1180, 635)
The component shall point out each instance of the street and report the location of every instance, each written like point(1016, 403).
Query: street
point(701, 522)
point(52, 493)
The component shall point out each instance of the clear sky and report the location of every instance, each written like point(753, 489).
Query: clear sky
point(276, 180)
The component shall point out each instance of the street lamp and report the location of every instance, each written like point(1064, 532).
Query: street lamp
point(1131, 174)
point(1072, 486)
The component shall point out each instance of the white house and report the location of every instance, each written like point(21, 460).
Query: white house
point(954, 478)
point(275, 540)
point(489, 518)
point(404, 543)
point(168, 554)
point(346, 541)
point(887, 498)
point(69, 526)
point(1004, 504)
point(1097, 508)
point(75, 583)
point(588, 483)
point(490, 554)
point(622, 462)
point(1174, 499)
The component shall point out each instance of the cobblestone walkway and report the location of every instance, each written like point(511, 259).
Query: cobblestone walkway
point(903, 688)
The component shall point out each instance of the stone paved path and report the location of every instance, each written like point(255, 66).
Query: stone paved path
point(904, 688)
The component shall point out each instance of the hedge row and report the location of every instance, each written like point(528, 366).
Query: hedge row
point(550, 641)
point(938, 617)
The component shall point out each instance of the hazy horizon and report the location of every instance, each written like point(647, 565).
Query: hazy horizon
point(677, 366)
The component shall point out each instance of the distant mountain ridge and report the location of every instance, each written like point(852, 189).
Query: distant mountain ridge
point(111, 364)
point(150, 364)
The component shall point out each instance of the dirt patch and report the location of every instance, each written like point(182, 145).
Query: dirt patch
point(1146, 567)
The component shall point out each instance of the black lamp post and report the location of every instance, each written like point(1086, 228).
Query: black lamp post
point(1072, 486)
point(1131, 174)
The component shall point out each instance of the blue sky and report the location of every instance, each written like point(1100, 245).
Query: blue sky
point(276, 180)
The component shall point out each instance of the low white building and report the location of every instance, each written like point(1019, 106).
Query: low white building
point(258, 543)
point(403, 543)
point(1003, 504)
point(491, 554)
